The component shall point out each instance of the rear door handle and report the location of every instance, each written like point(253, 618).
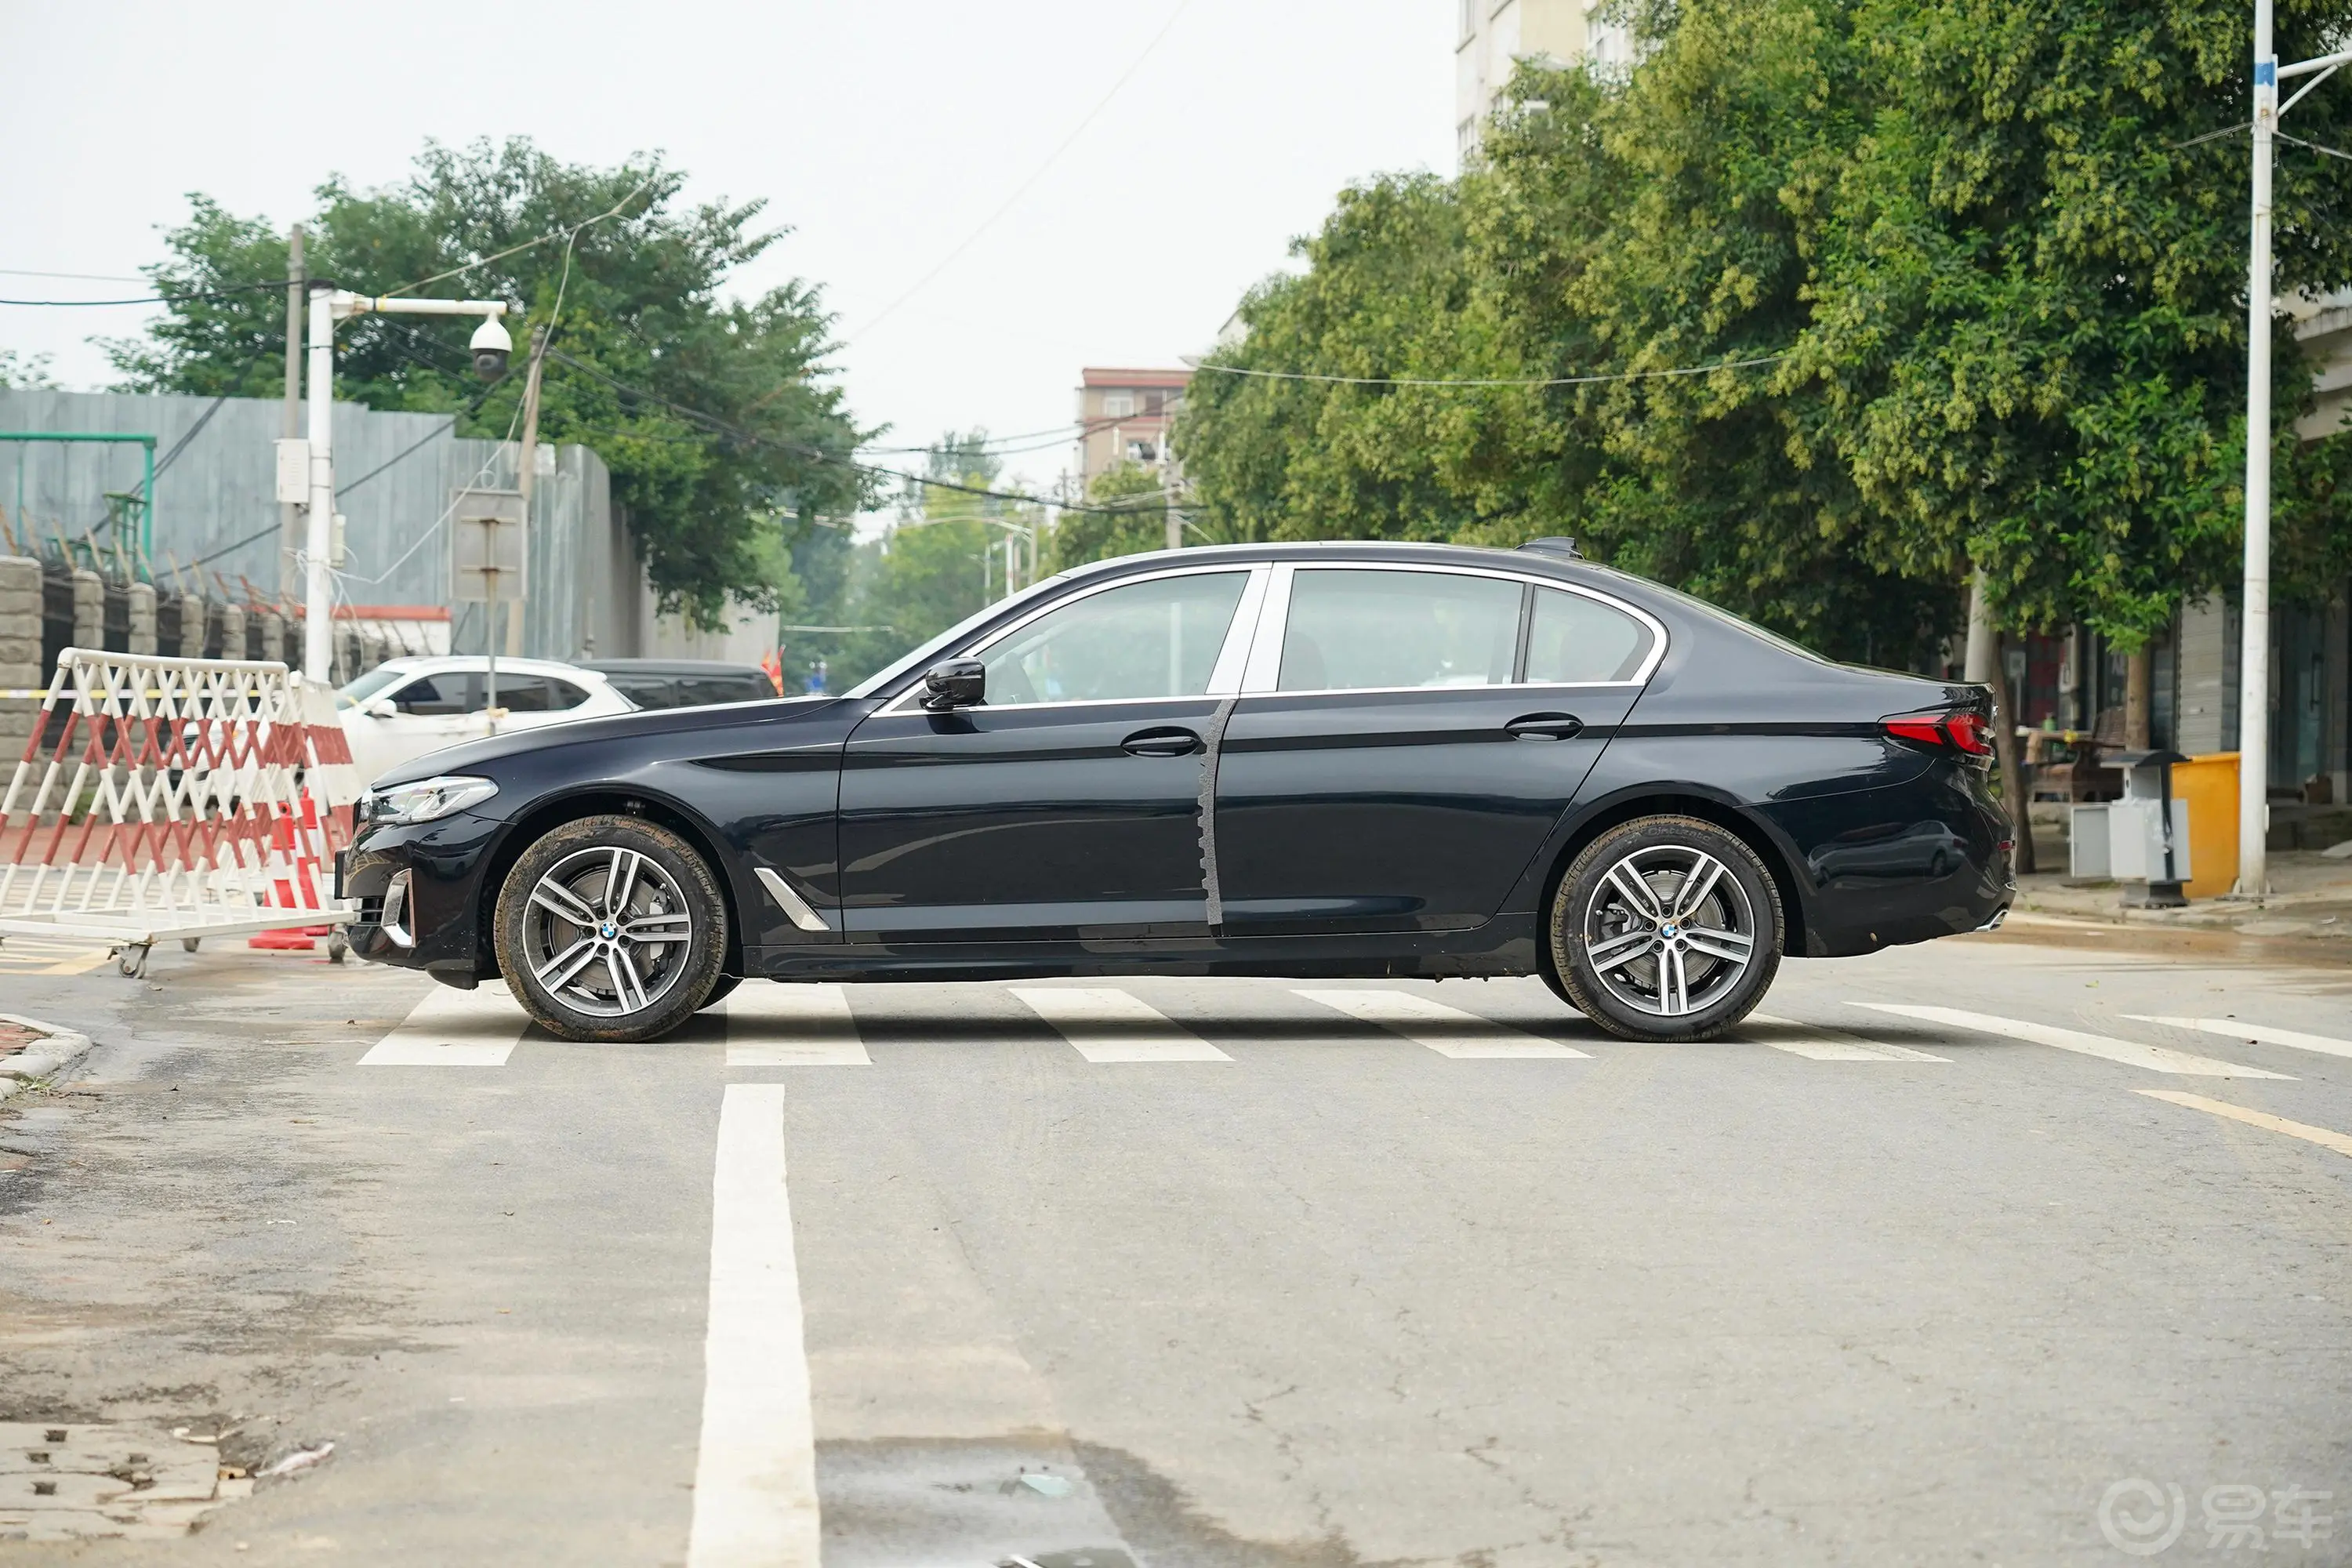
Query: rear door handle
point(1545, 726)
point(1170, 741)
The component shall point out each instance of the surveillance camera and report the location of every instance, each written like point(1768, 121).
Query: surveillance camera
point(491, 348)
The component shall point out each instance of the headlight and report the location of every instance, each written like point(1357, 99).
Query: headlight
point(401, 804)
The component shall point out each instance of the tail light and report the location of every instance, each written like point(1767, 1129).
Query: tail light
point(1968, 734)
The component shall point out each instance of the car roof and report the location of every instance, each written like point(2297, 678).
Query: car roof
point(428, 663)
point(672, 667)
point(1545, 558)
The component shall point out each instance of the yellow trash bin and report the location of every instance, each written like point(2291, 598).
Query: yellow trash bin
point(2209, 785)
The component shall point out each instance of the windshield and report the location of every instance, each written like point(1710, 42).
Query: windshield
point(368, 685)
point(882, 679)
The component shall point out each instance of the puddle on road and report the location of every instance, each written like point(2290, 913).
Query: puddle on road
point(76, 1480)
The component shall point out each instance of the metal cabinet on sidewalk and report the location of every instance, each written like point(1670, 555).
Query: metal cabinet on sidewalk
point(2142, 837)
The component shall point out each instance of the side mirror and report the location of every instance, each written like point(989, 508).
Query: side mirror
point(955, 683)
point(380, 707)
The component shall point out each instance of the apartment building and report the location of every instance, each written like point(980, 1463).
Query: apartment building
point(1492, 36)
point(1124, 415)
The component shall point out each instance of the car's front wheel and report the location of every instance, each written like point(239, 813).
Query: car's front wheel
point(610, 928)
point(1666, 928)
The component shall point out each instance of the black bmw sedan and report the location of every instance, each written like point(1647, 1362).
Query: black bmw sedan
point(1313, 759)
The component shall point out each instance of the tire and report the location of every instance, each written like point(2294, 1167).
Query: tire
point(1629, 885)
point(620, 978)
point(727, 982)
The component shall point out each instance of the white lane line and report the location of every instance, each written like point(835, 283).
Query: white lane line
point(2130, 1053)
point(1817, 1043)
point(2254, 1034)
point(755, 1472)
point(475, 1028)
point(2324, 1137)
point(775, 1025)
point(1104, 1023)
point(1448, 1031)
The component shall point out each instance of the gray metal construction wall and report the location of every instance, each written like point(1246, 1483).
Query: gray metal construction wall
point(584, 582)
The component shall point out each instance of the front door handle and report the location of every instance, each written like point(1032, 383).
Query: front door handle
point(1169, 740)
point(1545, 726)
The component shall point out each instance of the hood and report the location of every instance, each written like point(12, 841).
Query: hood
point(734, 718)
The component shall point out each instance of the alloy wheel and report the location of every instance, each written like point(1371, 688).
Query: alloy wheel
point(1669, 931)
point(607, 931)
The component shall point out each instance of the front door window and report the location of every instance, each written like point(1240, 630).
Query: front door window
point(1155, 638)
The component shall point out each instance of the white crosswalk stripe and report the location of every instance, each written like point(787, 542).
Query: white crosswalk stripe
point(1817, 1043)
point(775, 1025)
point(2130, 1053)
point(2254, 1034)
point(475, 1028)
point(1448, 1031)
point(1104, 1023)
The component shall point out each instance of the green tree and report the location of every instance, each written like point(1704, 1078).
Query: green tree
point(2001, 307)
point(937, 562)
point(25, 370)
point(2029, 312)
point(1133, 519)
point(725, 431)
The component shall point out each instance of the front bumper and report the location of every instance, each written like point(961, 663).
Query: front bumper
point(441, 910)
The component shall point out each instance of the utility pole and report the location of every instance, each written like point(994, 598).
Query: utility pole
point(2254, 654)
point(326, 306)
point(527, 480)
point(2255, 658)
point(290, 513)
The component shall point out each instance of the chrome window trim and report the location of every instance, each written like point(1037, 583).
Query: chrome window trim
point(1225, 670)
point(1265, 657)
point(1266, 651)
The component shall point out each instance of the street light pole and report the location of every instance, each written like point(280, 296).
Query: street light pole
point(2254, 653)
point(327, 306)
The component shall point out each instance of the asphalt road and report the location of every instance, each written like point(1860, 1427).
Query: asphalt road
point(1319, 1281)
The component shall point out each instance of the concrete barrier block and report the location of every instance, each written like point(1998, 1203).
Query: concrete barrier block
point(88, 608)
point(143, 618)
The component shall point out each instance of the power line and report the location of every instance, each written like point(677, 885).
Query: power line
point(1051, 159)
point(79, 277)
point(154, 299)
point(818, 454)
point(573, 232)
point(2312, 145)
point(1493, 381)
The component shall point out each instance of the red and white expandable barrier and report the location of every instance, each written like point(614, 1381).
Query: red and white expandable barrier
point(176, 797)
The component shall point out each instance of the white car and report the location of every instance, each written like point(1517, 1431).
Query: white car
point(405, 707)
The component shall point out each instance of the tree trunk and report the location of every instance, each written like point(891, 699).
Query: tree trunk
point(1984, 643)
point(2139, 675)
point(2014, 790)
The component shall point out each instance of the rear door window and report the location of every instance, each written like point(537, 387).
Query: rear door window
point(1352, 629)
point(647, 691)
point(450, 692)
point(700, 690)
point(537, 694)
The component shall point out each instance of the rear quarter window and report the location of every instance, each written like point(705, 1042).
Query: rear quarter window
point(1573, 640)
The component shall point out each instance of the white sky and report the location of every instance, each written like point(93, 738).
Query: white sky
point(882, 133)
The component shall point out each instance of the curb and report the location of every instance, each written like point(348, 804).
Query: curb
point(44, 1059)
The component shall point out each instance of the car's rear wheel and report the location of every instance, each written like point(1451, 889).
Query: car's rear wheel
point(610, 928)
point(1666, 928)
